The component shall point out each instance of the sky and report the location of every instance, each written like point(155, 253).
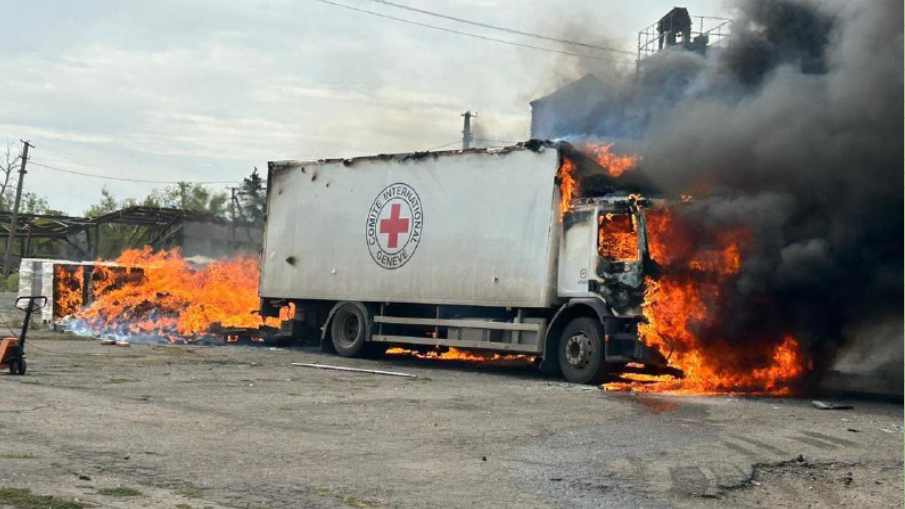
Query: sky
point(206, 90)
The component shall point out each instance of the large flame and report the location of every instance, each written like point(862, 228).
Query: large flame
point(602, 154)
point(684, 307)
point(162, 294)
point(68, 297)
point(618, 237)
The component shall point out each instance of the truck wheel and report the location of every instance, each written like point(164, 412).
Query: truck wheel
point(349, 331)
point(581, 352)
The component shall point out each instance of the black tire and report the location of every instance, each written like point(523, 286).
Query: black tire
point(581, 356)
point(17, 366)
point(350, 330)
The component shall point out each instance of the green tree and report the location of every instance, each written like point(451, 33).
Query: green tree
point(107, 204)
point(184, 196)
point(252, 198)
point(113, 237)
point(189, 196)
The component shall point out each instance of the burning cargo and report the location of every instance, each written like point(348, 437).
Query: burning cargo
point(157, 297)
point(70, 286)
point(476, 249)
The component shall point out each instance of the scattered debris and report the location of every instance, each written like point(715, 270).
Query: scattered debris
point(822, 405)
point(848, 478)
point(356, 370)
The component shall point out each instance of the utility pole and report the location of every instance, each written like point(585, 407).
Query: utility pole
point(467, 136)
point(15, 219)
point(232, 212)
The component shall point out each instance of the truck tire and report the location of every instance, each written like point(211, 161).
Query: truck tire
point(350, 330)
point(581, 356)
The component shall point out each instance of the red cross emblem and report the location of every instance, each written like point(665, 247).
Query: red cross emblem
point(394, 225)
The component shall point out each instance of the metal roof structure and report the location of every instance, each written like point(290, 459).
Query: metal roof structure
point(153, 226)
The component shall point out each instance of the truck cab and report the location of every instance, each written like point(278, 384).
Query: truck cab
point(603, 260)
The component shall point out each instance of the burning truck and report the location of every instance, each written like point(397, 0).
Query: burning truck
point(541, 252)
point(485, 250)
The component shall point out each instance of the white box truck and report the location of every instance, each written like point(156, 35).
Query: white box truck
point(467, 249)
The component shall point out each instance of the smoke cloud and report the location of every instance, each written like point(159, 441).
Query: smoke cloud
point(794, 125)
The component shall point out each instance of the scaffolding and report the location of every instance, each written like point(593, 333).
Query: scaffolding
point(678, 28)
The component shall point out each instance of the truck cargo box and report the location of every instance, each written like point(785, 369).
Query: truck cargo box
point(475, 227)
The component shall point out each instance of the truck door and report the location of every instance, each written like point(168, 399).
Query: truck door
point(577, 250)
point(621, 249)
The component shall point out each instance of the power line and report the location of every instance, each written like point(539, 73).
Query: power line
point(504, 29)
point(124, 179)
point(476, 36)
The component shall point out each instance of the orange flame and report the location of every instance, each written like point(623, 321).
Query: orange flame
point(618, 237)
point(69, 282)
point(568, 185)
point(601, 154)
point(454, 354)
point(681, 306)
point(162, 294)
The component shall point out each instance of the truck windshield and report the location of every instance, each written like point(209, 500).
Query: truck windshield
point(617, 236)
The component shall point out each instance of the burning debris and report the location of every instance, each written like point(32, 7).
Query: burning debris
point(162, 296)
point(69, 290)
point(69, 285)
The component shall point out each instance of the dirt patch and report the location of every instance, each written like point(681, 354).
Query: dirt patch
point(824, 485)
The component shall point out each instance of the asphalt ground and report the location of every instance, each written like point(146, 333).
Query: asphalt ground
point(234, 426)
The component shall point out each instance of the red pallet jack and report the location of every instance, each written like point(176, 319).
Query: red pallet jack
point(12, 350)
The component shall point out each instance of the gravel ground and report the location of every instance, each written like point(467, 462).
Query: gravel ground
point(239, 426)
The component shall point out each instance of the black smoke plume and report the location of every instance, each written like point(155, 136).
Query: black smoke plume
point(795, 124)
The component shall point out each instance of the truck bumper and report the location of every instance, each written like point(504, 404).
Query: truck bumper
point(622, 344)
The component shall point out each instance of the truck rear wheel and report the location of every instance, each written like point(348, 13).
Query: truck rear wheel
point(349, 330)
point(581, 356)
